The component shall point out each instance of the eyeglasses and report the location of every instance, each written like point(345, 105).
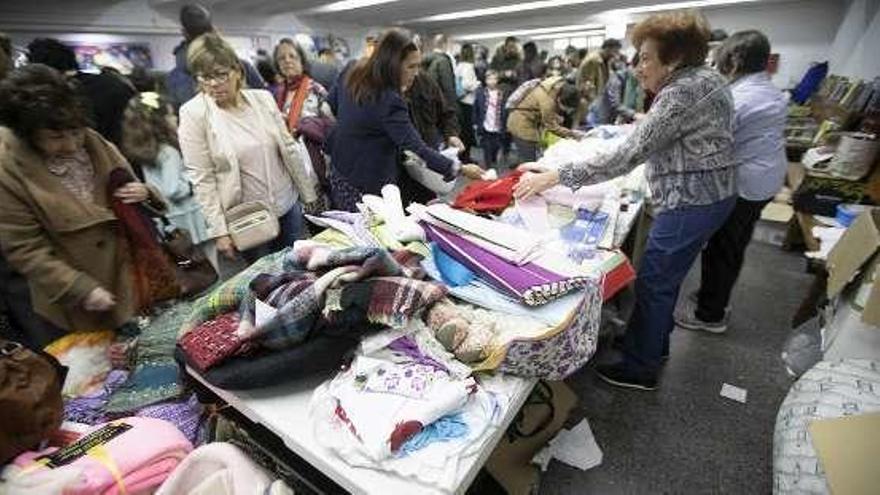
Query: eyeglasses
point(218, 77)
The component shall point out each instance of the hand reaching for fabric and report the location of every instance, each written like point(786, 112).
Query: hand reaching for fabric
point(531, 167)
point(133, 192)
point(471, 171)
point(99, 299)
point(532, 183)
point(226, 247)
point(455, 142)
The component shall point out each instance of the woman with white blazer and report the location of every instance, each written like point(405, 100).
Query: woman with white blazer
point(236, 149)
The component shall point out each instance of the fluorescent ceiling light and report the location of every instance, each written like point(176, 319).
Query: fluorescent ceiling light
point(575, 34)
point(693, 4)
point(348, 5)
point(528, 32)
point(502, 9)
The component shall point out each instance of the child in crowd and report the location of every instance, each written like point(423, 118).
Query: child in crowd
point(490, 117)
point(149, 142)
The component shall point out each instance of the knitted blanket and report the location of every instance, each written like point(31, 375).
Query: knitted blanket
point(322, 287)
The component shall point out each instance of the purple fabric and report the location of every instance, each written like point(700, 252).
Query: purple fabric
point(185, 415)
point(529, 282)
point(89, 409)
point(407, 346)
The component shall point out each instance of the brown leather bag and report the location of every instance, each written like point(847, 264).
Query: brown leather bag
point(31, 407)
point(195, 273)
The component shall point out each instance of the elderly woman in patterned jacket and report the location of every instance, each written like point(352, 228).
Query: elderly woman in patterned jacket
point(686, 140)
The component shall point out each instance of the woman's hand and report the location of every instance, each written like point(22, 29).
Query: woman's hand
point(133, 192)
point(531, 167)
point(472, 172)
point(532, 183)
point(99, 299)
point(226, 247)
point(455, 142)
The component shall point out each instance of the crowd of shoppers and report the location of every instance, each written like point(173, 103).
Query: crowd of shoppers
point(77, 149)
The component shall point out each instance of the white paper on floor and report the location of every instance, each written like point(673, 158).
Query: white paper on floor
point(733, 392)
point(576, 447)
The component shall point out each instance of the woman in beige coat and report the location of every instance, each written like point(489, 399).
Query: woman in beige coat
point(236, 149)
point(56, 225)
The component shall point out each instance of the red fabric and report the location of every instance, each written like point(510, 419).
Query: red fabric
point(488, 196)
point(213, 341)
point(152, 271)
point(295, 91)
point(617, 279)
point(403, 432)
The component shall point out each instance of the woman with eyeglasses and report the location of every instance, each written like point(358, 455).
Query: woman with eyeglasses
point(237, 149)
point(542, 108)
point(686, 141)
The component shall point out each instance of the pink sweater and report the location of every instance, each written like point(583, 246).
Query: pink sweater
point(130, 455)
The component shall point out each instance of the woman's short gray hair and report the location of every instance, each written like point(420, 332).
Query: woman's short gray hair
point(743, 53)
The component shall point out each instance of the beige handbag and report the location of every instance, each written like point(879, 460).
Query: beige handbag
point(251, 224)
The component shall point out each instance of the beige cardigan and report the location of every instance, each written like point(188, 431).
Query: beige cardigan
point(212, 164)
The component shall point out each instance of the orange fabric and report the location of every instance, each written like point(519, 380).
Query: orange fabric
point(297, 98)
point(489, 196)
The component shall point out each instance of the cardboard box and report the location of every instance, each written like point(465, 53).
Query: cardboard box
point(848, 450)
point(856, 253)
point(511, 461)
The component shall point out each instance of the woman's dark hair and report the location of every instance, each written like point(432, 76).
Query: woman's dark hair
point(383, 69)
point(144, 128)
point(569, 95)
point(5, 45)
point(611, 43)
point(745, 52)
point(142, 79)
point(467, 53)
point(195, 20)
point(266, 68)
point(36, 97)
point(303, 60)
point(680, 36)
point(530, 51)
point(51, 52)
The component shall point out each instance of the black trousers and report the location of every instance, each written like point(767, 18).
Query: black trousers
point(723, 257)
point(491, 143)
point(527, 151)
point(466, 123)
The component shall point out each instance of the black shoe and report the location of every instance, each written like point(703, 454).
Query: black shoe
point(621, 376)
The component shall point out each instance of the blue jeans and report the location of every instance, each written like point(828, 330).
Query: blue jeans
point(675, 240)
point(292, 228)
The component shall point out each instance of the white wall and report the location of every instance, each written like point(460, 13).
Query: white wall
point(854, 51)
point(801, 32)
point(143, 22)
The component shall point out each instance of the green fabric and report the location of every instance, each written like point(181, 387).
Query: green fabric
point(548, 139)
point(156, 376)
point(230, 294)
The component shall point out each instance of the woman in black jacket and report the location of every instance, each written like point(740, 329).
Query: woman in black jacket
point(374, 125)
